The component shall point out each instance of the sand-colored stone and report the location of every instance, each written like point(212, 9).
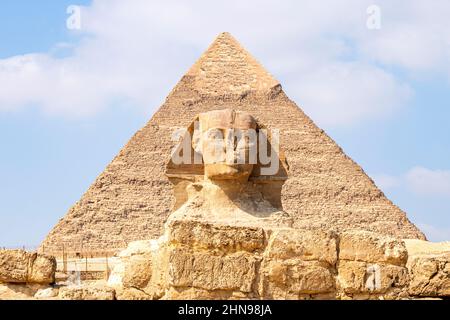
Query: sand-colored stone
point(20, 291)
point(86, 293)
point(236, 204)
point(14, 266)
point(429, 268)
point(133, 197)
point(130, 260)
point(138, 271)
point(19, 266)
point(47, 293)
point(305, 245)
point(195, 260)
point(354, 277)
point(215, 237)
point(42, 269)
point(234, 272)
point(371, 247)
point(371, 266)
point(292, 278)
point(298, 264)
point(417, 247)
point(192, 293)
point(138, 275)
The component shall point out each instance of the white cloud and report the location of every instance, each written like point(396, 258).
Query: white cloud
point(135, 52)
point(414, 36)
point(434, 233)
point(423, 181)
point(418, 180)
point(345, 93)
point(426, 192)
point(57, 85)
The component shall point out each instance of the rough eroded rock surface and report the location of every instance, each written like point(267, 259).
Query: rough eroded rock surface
point(429, 266)
point(86, 293)
point(430, 276)
point(19, 266)
point(195, 260)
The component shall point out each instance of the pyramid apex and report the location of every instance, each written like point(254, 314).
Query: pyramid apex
point(226, 36)
point(227, 68)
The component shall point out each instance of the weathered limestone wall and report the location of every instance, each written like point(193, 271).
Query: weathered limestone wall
point(23, 274)
point(429, 265)
point(210, 261)
point(19, 266)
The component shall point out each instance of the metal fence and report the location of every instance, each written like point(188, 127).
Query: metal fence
point(91, 264)
point(30, 248)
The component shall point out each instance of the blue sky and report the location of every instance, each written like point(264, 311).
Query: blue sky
point(70, 99)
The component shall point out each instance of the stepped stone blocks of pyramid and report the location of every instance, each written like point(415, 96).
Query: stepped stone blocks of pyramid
point(133, 197)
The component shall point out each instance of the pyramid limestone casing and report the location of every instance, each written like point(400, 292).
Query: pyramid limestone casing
point(132, 198)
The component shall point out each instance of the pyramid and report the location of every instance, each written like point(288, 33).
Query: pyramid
point(133, 197)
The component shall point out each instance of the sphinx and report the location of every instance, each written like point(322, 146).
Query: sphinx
point(226, 190)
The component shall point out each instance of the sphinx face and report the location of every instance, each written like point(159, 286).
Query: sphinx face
point(226, 140)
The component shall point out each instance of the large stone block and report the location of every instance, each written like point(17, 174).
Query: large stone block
point(371, 247)
point(138, 271)
point(132, 294)
point(291, 279)
point(225, 238)
point(175, 293)
point(47, 293)
point(430, 276)
point(19, 266)
point(304, 245)
point(139, 248)
point(356, 277)
point(86, 293)
point(14, 266)
point(133, 266)
point(42, 269)
point(235, 272)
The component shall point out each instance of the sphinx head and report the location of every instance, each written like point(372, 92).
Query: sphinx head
point(226, 139)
